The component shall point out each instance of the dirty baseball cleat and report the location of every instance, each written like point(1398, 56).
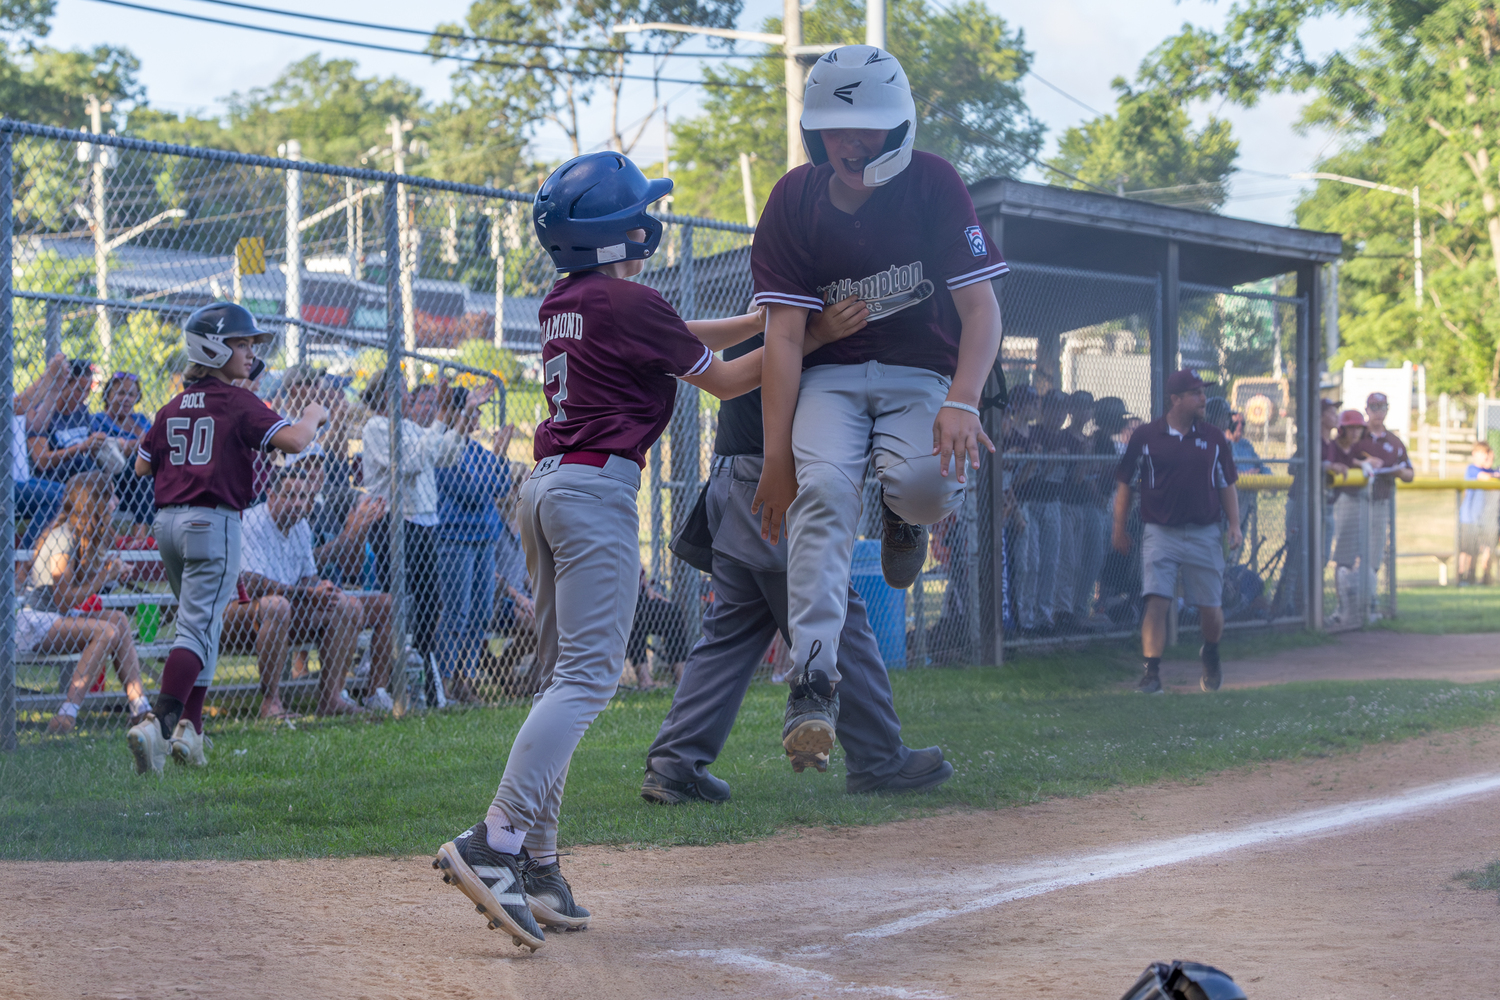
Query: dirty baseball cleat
point(903, 549)
point(187, 745)
point(924, 770)
point(661, 789)
point(148, 745)
point(493, 881)
point(1150, 681)
point(1213, 675)
point(551, 897)
point(812, 705)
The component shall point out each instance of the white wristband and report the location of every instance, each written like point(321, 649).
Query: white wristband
point(954, 404)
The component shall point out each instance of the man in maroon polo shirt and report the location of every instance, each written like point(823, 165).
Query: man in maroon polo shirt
point(1186, 474)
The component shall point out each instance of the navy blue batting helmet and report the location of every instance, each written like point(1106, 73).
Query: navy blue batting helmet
point(208, 327)
point(584, 210)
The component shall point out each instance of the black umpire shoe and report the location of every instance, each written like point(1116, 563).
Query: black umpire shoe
point(1213, 675)
point(923, 770)
point(493, 881)
point(903, 549)
point(551, 897)
point(812, 705)
point(661, 789)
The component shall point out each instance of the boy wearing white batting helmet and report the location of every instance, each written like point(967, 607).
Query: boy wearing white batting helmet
point(613, 352)
point(867, 217)
point(201, 452)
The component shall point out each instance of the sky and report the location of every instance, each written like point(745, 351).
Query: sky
point(1079, 46)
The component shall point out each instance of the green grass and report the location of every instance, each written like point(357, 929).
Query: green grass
point(1039, 727)
point(1486, 879)
point(1445, 610)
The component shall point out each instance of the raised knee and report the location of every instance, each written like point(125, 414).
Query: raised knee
point(917, 491)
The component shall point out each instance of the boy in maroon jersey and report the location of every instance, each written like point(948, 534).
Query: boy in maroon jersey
point(613, 352)
point(867, 217)
point(201, 451)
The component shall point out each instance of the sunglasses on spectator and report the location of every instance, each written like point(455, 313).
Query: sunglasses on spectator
point(124, 377)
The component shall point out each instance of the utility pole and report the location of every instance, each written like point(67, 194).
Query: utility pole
point(1414, 193)
point(405, 250)
point(292, 150)
point(354, 230)
point(749, 190)
point(875, 23)
point(101, 158)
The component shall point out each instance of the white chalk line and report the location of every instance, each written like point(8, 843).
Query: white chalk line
point(1065, 873)
point(796, 973)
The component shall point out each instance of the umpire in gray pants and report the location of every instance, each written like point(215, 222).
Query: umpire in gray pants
point(749, 606)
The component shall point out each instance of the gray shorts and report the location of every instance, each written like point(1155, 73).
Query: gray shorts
point(200, 550)
point(1193, 550)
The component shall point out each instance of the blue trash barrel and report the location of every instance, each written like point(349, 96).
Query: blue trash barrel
point(886, 604)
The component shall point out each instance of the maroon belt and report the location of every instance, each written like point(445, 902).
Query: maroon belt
point(598, 459)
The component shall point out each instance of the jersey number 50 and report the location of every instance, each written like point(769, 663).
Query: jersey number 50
point(197, 451)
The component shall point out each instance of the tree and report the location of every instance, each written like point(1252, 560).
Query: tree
point(51, 86)
point(965, 67)
point(1148, 147)
point(1417, 100)
point(536, 78)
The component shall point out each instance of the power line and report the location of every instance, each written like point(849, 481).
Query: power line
point(1033, 74)
point(474, 60)
point(480, 38)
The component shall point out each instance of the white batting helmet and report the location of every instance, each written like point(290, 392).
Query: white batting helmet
point(860, 86)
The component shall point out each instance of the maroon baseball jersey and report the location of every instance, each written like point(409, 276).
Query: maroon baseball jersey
point(1392, 454)
point(203, 444)
point(612, 352)
point(903, 252)
point(1180, 474)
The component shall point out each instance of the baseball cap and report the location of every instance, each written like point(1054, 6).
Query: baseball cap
point(1377, 397)
point(1329, 404)
point(1351, 418)
point(1183, 380)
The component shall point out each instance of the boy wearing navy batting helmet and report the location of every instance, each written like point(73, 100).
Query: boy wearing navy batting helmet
point(201, 452)
point(612, 354)
point(872, 218)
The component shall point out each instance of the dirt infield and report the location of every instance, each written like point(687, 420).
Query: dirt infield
point(1262, 871)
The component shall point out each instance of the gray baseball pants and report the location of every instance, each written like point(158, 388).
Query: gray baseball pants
point(749, 606)
point(580, 530)
point(200, 551)
point(846, 414)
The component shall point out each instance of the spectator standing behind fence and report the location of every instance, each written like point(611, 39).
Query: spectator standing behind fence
point(37, 500)
point(1076, 526)
point(73, 563)
point(1096, 486)
point(1048, 439)
point(1026, 486)
point(1346, 549)
point(1387, 454)
point(1335, 462)
point(1186, 475)
point(468, 494)
point(119, 421)
point(1478, 515)
point(423, 450)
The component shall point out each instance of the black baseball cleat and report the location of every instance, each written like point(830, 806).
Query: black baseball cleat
point(1150, 682)
point(661, 789)
point(493, 881)
point(903, 549)
point(551, 897)
point(1213, 675)
point(923, 770)
point(812, 705)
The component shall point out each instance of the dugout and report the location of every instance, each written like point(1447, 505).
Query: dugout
point(1111, 294)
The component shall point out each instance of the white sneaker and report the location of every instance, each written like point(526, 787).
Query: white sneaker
point(148, 745)
point(380, 701)
point(188, 745)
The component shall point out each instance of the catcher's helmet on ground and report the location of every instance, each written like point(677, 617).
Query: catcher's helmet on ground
point(584, 210)
point(860, 86)
point(1183, 981)
point(208, 327)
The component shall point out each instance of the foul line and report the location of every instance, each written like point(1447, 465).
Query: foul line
point(796, 973)
point(1063, 874)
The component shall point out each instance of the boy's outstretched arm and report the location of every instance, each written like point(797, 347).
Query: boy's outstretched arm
point(958, 434)
point(718, 334)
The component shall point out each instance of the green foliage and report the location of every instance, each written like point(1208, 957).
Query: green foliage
point(48, 86)
point(1148, 148)
point(1486, 879)
point(484, 354)
point(965, 65)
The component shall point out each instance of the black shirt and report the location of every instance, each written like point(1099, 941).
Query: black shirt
point(740, 428)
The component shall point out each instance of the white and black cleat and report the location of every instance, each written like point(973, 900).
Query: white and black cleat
point(551, 897)
point(812, 710)
point(493, 881)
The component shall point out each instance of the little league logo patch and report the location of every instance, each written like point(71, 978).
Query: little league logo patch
point(976, 241)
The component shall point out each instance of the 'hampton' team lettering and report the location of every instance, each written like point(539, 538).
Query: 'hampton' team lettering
point(879, 285)
point(192, 401)
point(564, 325)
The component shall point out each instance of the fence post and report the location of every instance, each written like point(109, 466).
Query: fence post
point(293, 256)
point(686, 444)
point(395, 329)
point(1314, 314)
point(1361, 609)
point(53, 339)
point(7, 435)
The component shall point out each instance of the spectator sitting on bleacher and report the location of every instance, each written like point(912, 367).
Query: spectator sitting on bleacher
point(289, 604)
point(71, 566)
point(1478, 515)
point(125, 428)
point(656, 615)
point(66, 445)
point(37, 500)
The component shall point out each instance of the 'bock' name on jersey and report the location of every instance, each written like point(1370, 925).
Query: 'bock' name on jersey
point(612, 352)
point(904, 252)
point(203, 443)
